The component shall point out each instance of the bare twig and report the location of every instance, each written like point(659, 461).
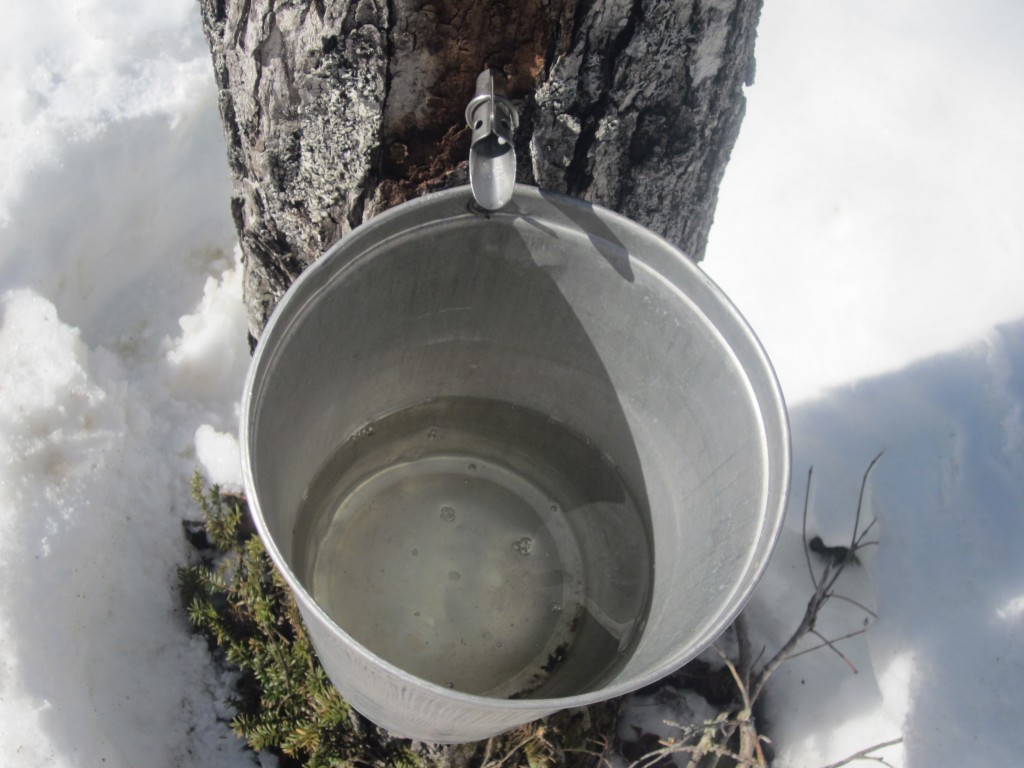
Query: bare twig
point(831, 645)
point(750, 752)
point(743, 661)
point(651, 758)
point(707, 740)
point(850, 600)
point(807, 554)
point(805, 626)
point(865, 531)
point(865, 754)
point(740, 685)
point(601, 757)
point(714, 740)
point(487, 751)
point(823, 588)
point(826, 642)
point(856, 539)
point(704, 748)
point(504, 758)
point(860, 502)
point(760, 655)
point(714, 736)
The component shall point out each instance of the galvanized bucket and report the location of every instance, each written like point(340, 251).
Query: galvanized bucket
point(556, 310)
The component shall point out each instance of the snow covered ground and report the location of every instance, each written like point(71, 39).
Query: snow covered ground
point(869, 228)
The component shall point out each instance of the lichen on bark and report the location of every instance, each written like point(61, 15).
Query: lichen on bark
point(335, 111)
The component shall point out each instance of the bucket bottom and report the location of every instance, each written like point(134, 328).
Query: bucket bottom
point(455, 539)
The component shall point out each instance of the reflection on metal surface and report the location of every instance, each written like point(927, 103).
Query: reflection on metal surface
point(492, 156)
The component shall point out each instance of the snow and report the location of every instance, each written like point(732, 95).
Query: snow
point(869, 214)
point(868, 227)
point(662, 713)
point(121, 337)
point(943, 663)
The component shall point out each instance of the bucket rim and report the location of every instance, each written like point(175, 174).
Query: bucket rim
point(535, 197)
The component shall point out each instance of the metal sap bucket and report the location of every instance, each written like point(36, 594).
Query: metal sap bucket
point(574, 337)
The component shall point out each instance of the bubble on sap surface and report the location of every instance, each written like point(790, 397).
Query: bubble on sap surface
point(450, 685)
point(498, 644)
point(523, 546)
point(497, 498)
point(431, 433)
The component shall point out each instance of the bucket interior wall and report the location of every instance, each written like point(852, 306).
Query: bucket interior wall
point(597, 326)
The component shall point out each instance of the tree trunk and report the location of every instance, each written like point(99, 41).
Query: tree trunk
point(335, 111)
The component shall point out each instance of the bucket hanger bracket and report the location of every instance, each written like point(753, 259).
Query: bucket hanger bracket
point(492, 156)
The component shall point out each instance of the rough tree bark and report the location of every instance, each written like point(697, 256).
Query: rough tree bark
point(335, 111)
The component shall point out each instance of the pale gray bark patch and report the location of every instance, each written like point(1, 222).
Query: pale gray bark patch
point(302, 89)
point(642, 113)
point(334, 111)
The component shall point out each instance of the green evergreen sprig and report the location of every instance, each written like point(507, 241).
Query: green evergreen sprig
point(284, 700)
point(286, 704)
